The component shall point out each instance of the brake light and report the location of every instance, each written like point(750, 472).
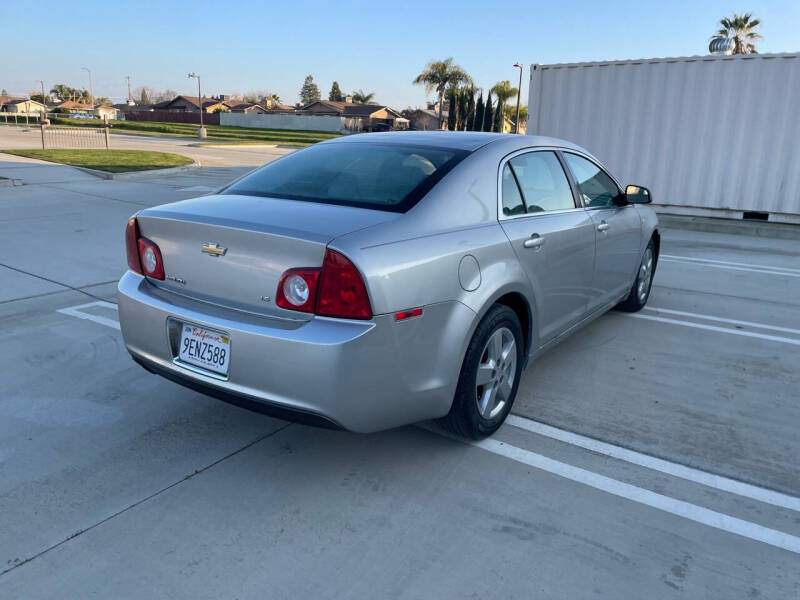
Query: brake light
point(335, 290)
point(132, 246)
point(144, 256)
point(341, 291)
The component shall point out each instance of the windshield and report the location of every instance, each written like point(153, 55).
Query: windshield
point(381, 176)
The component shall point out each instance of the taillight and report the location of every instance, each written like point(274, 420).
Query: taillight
point(150, 259)
point(297, 289)
point(144, 257)
point(341, 291)
point(132, 246)
point(335, 290)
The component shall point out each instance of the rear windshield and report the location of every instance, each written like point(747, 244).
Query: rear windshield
point(372, 175)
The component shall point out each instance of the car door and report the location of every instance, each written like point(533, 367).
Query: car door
point(619, 230)
point(553, 238)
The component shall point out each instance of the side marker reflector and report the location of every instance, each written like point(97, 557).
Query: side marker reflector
point(408, 314)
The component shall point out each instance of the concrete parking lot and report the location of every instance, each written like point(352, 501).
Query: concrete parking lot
point(652, 455)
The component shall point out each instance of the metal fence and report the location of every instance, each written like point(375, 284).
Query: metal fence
point(21, 118)
point(56, 136)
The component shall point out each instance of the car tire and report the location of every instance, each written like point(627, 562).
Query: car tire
point(494, 358)
point(640, 291)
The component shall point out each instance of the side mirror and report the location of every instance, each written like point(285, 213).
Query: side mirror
point(636, 194)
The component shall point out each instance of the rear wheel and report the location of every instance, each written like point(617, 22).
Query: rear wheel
point(640, 291)
point(489, 376)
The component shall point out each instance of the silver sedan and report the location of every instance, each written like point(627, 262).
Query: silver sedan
point(382, 279)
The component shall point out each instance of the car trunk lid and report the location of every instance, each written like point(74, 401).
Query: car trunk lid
point(231, 250)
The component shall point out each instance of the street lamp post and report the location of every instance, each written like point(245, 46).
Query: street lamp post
point(128, 81)
point(91, 91)
point(519, 92)
point(202, 131)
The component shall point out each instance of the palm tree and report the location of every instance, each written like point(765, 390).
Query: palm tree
point(503, 91)
point(742, 30)
point(361, 97)
point(438, 75)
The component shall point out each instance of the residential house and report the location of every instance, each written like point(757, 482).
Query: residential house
point(192, 104)
point(423, 119)
point(10, 104)
point(68, 106)
point(238, 106)
point(360, 117)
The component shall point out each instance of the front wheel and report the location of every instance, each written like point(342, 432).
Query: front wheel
point(489, 376)
point(640, 291)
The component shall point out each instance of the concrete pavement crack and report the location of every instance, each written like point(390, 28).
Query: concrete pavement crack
point(65, 285)
point(146, 498)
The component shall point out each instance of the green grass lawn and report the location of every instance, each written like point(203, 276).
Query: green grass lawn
point(112, 161)
point(216, 133)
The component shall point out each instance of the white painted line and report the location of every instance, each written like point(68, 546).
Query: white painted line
point(734, 266)
point(686, 510)
point(75, 311)
point(752, 334)
point(657, 464)
point(681, 313)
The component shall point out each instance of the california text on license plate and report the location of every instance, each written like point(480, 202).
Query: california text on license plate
point(205, 348)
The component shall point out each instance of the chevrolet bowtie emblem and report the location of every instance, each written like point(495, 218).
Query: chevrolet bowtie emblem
point(213, 249)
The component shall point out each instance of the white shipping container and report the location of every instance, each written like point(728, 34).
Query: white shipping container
point(712, 135)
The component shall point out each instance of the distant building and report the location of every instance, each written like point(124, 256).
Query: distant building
point(361, 117)
point(245, 107)
point(10, 104)
point(191, 104)
point(424, 119)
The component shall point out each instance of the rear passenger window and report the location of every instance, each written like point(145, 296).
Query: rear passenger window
point(543, 182)
point(512, 199)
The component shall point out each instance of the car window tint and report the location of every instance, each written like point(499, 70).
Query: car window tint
point(512, 199)
point(373, 175)
point(596, 186)
point(544, 183)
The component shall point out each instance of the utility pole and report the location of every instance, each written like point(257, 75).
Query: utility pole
point(202, 131)
point(44, 101)
point(91, 91)
point(128, 81)
point(519, 93)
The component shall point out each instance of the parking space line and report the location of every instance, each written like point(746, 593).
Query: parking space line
point(734, 266)
point(680, 508)
point(752, 334)
point(657, 464)
point(75, 311)
point(681, 313)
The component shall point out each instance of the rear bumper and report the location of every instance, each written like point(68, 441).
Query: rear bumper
point(362, 376)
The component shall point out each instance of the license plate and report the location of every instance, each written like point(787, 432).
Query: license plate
point(205, 348)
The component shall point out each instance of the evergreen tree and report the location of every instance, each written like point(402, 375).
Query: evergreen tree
point(452, 110)
point(309, 92)
point(499, 120)
point(336, 94)
point(463, 109)
point(488, 113)
point(477, 123)
point(469, 119)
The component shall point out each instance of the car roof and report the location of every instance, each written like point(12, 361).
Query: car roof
point(457, 140)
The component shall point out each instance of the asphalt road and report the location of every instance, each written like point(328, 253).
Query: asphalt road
point(649, 456)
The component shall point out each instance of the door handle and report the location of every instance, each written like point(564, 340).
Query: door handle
point(603, 226)
point(535, 241)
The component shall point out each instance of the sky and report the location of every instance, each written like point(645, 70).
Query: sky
point(240, 46)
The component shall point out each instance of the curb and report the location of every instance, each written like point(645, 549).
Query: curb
point(762, 229)
point(138, 174)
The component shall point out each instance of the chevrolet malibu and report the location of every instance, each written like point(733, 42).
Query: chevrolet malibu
point(382, 279)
